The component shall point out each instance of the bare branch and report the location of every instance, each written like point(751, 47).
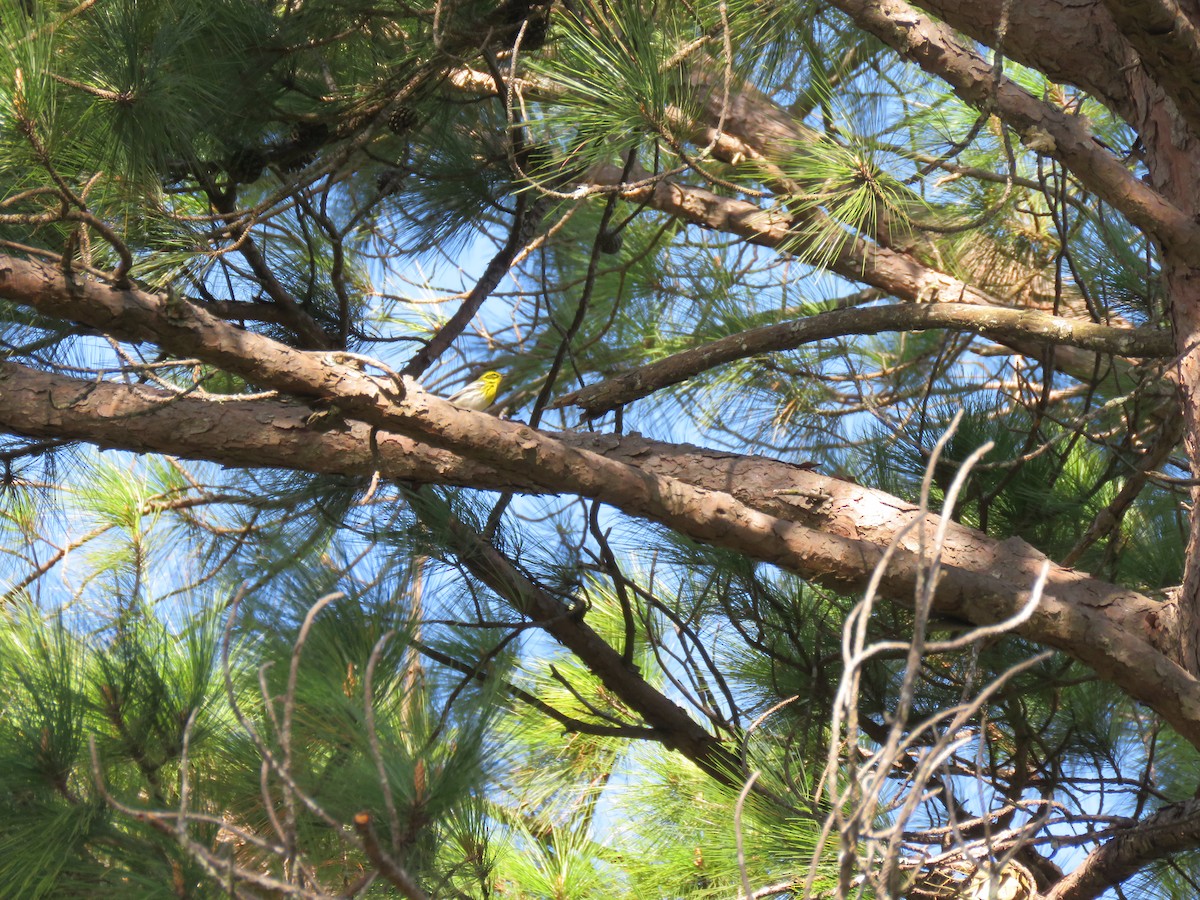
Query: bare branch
point(1023, 327)
point(526, 218)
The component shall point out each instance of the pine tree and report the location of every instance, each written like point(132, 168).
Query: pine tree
point(834, 532)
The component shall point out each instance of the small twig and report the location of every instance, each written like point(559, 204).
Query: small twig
point(373, 737)
point(289, 708)
point(737, 832)
point(388, 867)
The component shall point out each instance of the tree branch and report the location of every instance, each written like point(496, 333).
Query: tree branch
point(383, 863)
point(1073, 43)
point(1020, 326)
point(899, 274)
point(525, 219)
point(1173, 829)
point(676, 728)
point(753, 124)
point(822, 528)
point(1168, 46)
point(1043, 127)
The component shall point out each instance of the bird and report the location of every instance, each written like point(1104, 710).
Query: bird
point(480, 393)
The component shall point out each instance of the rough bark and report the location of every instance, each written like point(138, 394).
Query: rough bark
point(1172, 151)
point(1173, 829)
point(825, 529)
point(1184, 292)
point(1168, 49)
point(1043, 126)
point(1073, 43)
point(1166, 206)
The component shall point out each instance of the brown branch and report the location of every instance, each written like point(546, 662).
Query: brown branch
point(1085, 50)
point(1042, 126)
point(1009, 326)
point(1100, 624)
point(677, 729)
point(387, 867)
point(1167, 42)
point(899, 274)
point(518, 234)
point(822, 528)
point(1173, 829)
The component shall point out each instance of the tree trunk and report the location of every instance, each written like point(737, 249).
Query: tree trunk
point(1173, 163)
point(1183, 293)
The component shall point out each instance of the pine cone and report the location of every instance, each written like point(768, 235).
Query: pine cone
point(537, 32)
point(247, 164)
point(390, 180)
point(403, 119)
point(611, 242)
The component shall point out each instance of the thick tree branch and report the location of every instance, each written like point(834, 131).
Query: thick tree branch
point(1042, 126)
point(1168, 46)
point(822, 528)
point(1073, 43)
point(1173, 829)
point(1009, 326)
point(274, 434)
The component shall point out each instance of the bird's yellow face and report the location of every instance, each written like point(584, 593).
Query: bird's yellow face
point(489, 383)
